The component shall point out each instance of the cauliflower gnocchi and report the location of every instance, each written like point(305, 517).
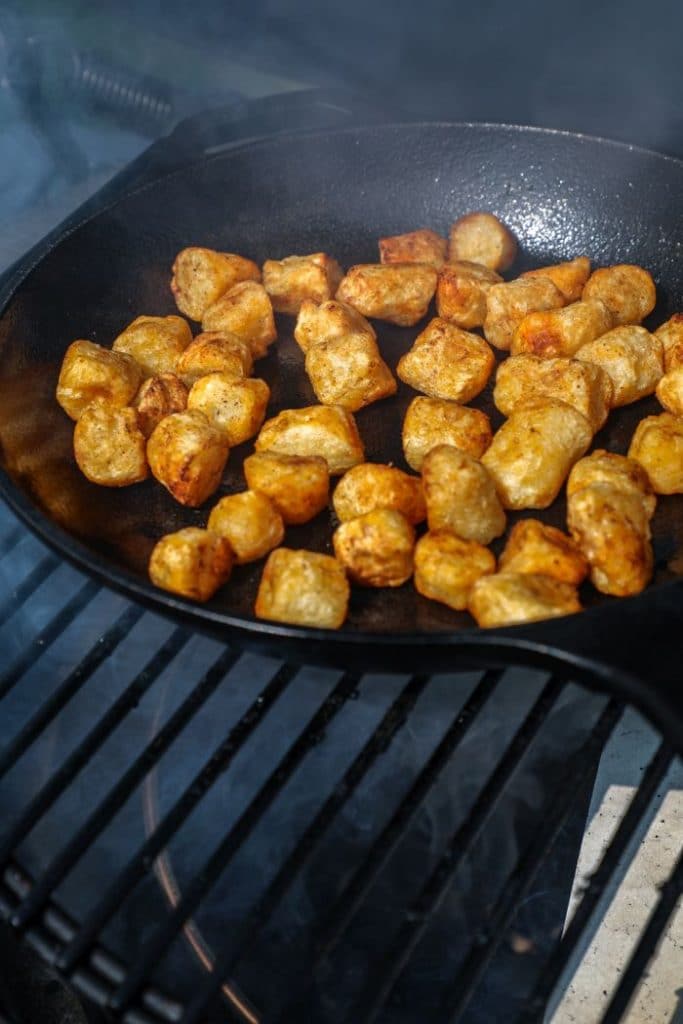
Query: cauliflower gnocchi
point(295, 278)
point(657, 445)
point(214, 352)
point(376, 549)
point(109, 447)
point(670, 334)
point(584, 386)
point(250, 522)
point(246, 312)
point(155, 342)
point(349, 372)
point(461, 495)
point(510, 598)
point(303, 588)
point(191, 562)
point(370, 486)
point(298, 486)
point(561, 332)
point(433, 421)
point(461, 292)
point(421, 246)
point(632, 357)
point(159, 397)
point(507, 304)
point(447, 567)
point(201, 276)
point(237, 407)
point(447, 362)
point(397, 292)
point(329, 321)
point(617, 471)
point(669, 390)
point(187, 454)
point(326, 430)
point(534, 547)
point(569, 276)
point(628, 292)
point(482, 238)
point(90, 373)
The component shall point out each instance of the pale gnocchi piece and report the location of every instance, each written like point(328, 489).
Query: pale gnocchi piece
point(633, 358)
point(326, 430)
point(90, 373)
point(187, 454)
point(247, 312)
point(295, 278)
point(669, 391)
point(481, 238)
point(109, 447)
point(250, 522)
point(298, 486)
point(237, 407)
point(628, 292)
point(447, 567)
point(508, 303)
point(525, 378)
point(461, 495)
point(535, 547)
point(532, 453)
point(461, 292)
point(191, 562)
point(670, 334)
point(447, 362)
point(433, 421)
point(569, 276)
point(657, 445)
point(612, 528)
point(376, 549)
point(511, 598)
point(371, 485)
point(303, 588)
point(397, 292)
point(159, 397)
point(329, 321)
point(561, 332)
point(215, 352)
point(421, 246)
point(201, 276)
point(349, 372)
point(155, 342)
point(612, 470)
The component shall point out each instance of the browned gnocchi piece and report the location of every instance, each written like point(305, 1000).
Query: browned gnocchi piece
point(481, 238)
point(90, 373)
point(511, 598)
point(349, 372)
point(295, 278)
point(632, 357)
point(670, 334)
point(461, 495)
point(461, 292)
point(561, 332)
point(612, 470)
point(532, 453)
point(525, 378)
point(535, 547)
point(628, 292)
point(376, 549)
point(433, 421)
point(421, 246)
point(657, 445)
point(298, 486)
point(326, 430)
point(214, 352)
point(303, 588)
point(109, 447)
point(669, 391)
point(329, 321)
point(158, 397)
point(447, 567)
point(508, 303)
point(155, 342)
point(569, 276)
point(187, 454)
point(447, 362)
point(191, 562)
point(250, 522)
point(237, 407)
point(201, 276)
point(247, 312)
point(371, 485)
point(397, 292)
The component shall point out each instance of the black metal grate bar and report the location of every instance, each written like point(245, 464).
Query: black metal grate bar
point(52, 631)
point(417, 918)
point(71, 685)
point(10, 541)
point(138, 865)
point(243, 942)
point(91, 744)
point(655, 773)
point(117, 796)
point(578, 775)
point(217, 862)
point(28, 586)
point(669, 895)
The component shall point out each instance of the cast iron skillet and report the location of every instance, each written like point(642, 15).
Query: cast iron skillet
point(562, 194)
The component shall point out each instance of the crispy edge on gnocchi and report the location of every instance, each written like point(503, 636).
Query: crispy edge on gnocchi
point(537, 548)
point(213, 352)
point(372, 485)
point(187, 454)
point(329, 321)
point(627, 290)
point(447, 362)
point(155, 342)
point(561, 332)
point(670, 333)
point(524, 378)
point(250, 522)
point(326, 430)
point(669, 391)
point(447, 567)
point(569, 276)
point(297, 485)
point(247, 312)
point(512, 598)
point(235, 406)
point(508, 303)
point(461, 292)
point(613, 470)
point(657, 445)
point(349, 372)
point(632, 357)
point(90, 373)
point(109, 446)
point(433, 421)
point(303, 588)
point(159, 397)
point(376, 549)
point(461, 495)
point(295, 278)
point(480, 237)
point(191, 562)
point(201, 276)
point(421, 246)
point(397, 292)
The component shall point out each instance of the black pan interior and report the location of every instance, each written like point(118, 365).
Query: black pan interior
point(562, 195)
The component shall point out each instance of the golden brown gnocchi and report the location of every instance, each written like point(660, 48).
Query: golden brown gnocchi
point(657, 445)
point(155, 342)
point(507, 304)
point(447, 362)
point(109, 446)
point(376, 549)
point(295, 278)
point(421, 246)
point(329, 321)
point(326, 430)
point(461, 495)
point(370, 486)
point(561, 332)
point(670, 334)
point(90, 373)
point(481, 238)
point(535, 547)
point(617, 471)
point(447, 567)
point(303, 588)
point(397, 292)
point(433, 421)
point(250, 522)
point(569, 276)
point(669, 391)
point(159, 397)
point(191, 562)
point(632, 357)
point(201, 276)
point(297, 485)
point(511, 598)
point(214, 352)
point(237, 407)
point(247, 312)
point(349, 372)
point(187, 454)
point(461, 292)
point(525, 378)
point(628, 292)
